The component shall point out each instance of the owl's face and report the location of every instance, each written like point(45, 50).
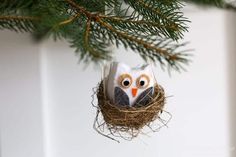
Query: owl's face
point(124, 82)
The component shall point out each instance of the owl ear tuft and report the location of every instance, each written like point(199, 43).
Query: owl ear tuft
point(147, 67)
point(116, 65)
point(123, 66)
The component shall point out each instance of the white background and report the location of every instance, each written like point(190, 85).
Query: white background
point(45, 98)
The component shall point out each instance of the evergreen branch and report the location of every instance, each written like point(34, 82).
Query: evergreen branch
point(7, 5)
point(14, 17)
point(172, 28)
point(57, 28)
point(164, 53)
point(79, 8)
point(67, 21)
point(150, 23)
point(149, 30)
point(142, 26)
point(159, 11)
point(130, 39)
point(230, 6)
point(18, 23)
point(71, 19)
point(93, 53)
point(165, 17)
point(223, 4)
point(217, 3)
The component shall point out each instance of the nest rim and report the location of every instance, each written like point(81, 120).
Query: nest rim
point(131, 117)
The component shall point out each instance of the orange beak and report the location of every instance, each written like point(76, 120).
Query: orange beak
point(134, 91)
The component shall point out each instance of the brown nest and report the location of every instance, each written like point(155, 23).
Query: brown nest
point(127, 122)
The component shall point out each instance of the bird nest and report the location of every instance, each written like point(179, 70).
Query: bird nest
point(114, 121)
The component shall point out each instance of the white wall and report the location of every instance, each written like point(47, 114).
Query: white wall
point(20, 97)
point(46, 97)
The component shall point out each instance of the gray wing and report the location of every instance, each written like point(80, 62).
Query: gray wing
point(121, 98)
point(144, 98)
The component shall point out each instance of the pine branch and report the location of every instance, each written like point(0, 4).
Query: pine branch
point(230, 6)
point(161, 51)
point(9, 5)
point(223, 4)
point(141, 26)
point(217, 3)
point(147, 47)
point(132, 38)
point(17, 23)
point(94, 49)
point(14, 15)
point(164, 11)
point(9, 17)
point(94, 54)
point(150, 29)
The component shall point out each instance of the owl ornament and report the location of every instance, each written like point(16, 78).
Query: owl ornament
point(130, 101)
point(133, 87)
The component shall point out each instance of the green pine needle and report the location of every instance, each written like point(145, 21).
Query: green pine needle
point(148, 27)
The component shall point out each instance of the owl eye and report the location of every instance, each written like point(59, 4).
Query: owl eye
point(125, 80)
point(142, 81)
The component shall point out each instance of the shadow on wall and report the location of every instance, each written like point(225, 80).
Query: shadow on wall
point(231, 36)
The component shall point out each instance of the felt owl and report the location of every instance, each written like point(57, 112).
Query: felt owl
point(126, 86)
